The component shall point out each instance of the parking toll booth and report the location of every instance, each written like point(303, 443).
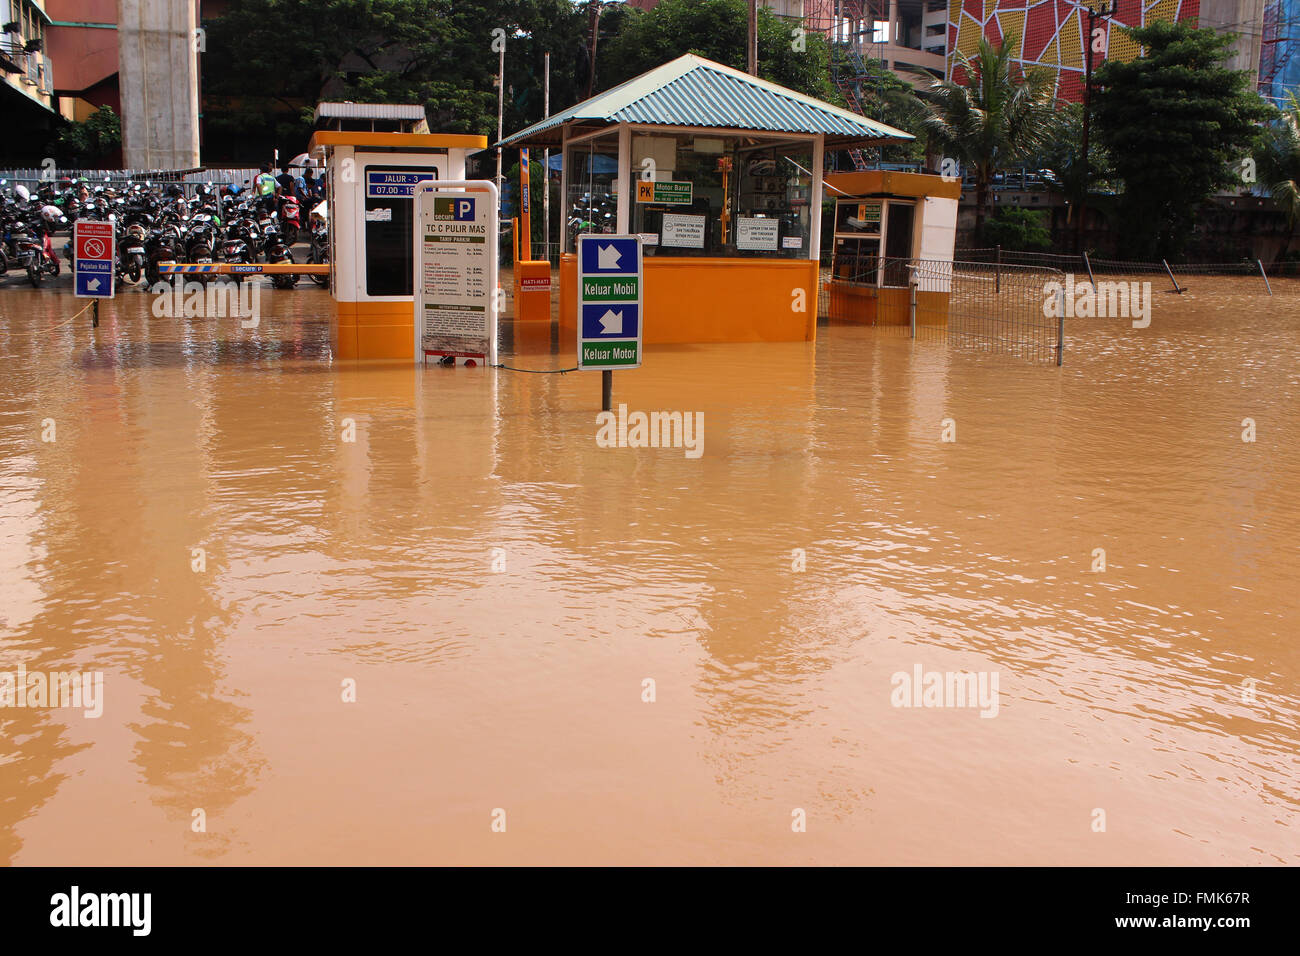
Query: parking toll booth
point(891, 230)
point(720, 173)
point(371, 178)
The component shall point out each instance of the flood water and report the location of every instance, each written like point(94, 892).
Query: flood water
point(499, 586)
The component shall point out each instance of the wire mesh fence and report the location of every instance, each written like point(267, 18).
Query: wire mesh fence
point(977, 306)
point(188, 180)
point(1254, 274)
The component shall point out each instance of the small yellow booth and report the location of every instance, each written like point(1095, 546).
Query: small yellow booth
point(892, 230)
point(371, 180)
point(720, 173)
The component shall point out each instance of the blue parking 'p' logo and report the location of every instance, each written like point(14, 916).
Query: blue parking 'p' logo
point(463, 210)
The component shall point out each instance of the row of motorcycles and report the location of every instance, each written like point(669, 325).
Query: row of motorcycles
point(156, 226)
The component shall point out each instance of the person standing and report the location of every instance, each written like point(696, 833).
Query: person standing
point(264, 188)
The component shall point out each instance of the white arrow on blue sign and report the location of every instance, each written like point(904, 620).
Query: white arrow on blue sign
point(609, 301)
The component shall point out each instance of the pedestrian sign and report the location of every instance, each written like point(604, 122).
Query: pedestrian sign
point(93, 257)
point(609, 301)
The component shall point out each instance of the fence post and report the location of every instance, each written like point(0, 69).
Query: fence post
point(1171, 276)
point(997, 271)
point(911, 306)
point(1265, 275)
point(1060, 327)
point(1087, 263)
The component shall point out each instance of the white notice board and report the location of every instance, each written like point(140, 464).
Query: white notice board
point(685, 232)
point(456, 263)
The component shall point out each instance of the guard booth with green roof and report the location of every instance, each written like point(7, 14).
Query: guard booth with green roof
point(720, 173)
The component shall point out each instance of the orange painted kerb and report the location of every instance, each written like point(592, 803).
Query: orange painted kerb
point(373, 330)
point(690, 300)
point(408, 141)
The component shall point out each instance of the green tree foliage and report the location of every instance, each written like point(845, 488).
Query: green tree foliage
point(998, 116)
point(1174, 121)
point(716, 30)
point(1062, 155)
point(1279, 164)
point(89, 142)
point(268, 62)
point(1018, 230)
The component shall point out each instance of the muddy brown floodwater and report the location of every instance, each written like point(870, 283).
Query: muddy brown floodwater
point(499, 587)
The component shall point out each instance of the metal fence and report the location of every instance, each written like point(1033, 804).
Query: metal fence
point(1176, 276)
point(189, 180)
point(976, 306)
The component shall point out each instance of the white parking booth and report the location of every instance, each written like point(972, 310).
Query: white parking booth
point(371, 181)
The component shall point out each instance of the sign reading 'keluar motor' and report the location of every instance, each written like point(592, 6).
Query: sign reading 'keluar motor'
point(609, 302)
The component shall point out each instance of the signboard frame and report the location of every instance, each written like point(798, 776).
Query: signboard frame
point(487, 203)
point(93, 230)
point(590, 305)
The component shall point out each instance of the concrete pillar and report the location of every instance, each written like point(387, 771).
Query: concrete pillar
point(892, 39)
point(158, 76)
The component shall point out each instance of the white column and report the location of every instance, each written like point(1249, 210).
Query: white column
point(818, 160)
point(624, 179)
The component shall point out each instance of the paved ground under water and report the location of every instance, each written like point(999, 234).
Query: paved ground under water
point(499, 586)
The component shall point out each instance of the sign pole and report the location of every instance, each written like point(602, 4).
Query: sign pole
point(610, 304)
point(94, 313)
point(525, 206)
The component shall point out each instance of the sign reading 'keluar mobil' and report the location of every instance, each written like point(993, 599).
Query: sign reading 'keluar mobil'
point(609, 302)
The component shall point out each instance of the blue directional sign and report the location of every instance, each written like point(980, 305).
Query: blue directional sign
point(92, 259)
point(609, 255)
point(611, 320)
point(609, 301)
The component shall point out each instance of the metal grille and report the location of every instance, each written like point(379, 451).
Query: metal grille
point(971, 306)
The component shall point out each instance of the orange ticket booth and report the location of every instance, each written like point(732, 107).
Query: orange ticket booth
point(371, 180)
point(720, 173)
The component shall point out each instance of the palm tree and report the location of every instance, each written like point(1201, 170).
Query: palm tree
point(1283, 162)
point(1001, 115)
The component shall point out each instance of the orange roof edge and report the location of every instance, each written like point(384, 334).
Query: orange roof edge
point(895, 183)
point(327, 137)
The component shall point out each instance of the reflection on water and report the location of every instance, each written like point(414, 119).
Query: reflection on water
point(236, 530)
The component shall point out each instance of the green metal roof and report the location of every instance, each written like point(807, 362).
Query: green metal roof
point(693, 91)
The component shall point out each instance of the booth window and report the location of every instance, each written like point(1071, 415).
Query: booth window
point(592, 205)
point(722, 196)
point(390, 224)
point(861, 226)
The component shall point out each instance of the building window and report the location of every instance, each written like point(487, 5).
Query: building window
point(722, 196)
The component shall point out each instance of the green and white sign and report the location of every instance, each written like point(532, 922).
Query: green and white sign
point(609, 301)
point(650, 191)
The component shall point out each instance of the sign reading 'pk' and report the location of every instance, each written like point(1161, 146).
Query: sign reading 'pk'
point(609, 302)
point(664, 192)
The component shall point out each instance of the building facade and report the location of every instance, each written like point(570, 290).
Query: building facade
point(26, 70)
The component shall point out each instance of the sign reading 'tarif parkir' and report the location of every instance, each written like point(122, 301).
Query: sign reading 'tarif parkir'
point(609, 302)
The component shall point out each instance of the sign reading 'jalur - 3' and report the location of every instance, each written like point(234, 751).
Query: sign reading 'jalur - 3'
point(609, 301)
